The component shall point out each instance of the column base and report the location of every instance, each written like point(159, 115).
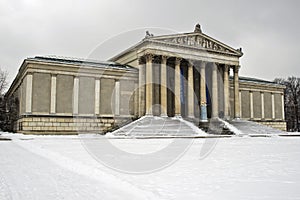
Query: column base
point(178, 116)
point(226, 118)
point(237, 118)
point(164, 115)
point(203, 115)
point(203, 120)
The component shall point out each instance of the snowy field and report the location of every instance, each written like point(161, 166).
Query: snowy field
point(62, 167)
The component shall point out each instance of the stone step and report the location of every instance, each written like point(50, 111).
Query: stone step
point(156, 126)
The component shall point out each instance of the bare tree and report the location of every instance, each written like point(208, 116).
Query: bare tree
point(3, 87)
point(3, 81)
point(292, 101)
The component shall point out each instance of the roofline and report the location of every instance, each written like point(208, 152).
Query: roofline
point(258, 80)
point(45, 60)
point(152, 39)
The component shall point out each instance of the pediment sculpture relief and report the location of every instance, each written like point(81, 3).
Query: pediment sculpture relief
point(197, 41)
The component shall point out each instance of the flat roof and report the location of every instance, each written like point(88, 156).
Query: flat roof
point(80, 61)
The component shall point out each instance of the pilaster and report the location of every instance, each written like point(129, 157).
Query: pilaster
point(53, 94)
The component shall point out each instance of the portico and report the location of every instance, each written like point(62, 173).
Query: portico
point(181, 93)
point(185, 75)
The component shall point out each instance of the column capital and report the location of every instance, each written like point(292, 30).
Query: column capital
point(203, 64)
point(149, 57)
point(226, 68)
point(215, 66)
point(236, 68)
point(165, 57)
point(191, 63)
point(140, 60)
point(178, 60)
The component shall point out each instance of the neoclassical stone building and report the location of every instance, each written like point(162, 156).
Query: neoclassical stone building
point(188, 75)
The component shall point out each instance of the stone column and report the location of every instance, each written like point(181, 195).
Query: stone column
point(163, 86)
point(191, 100)
point(237, 109)
point(28, 105)
point(97, 96)
point(240, 98)
point(282, 106)
point(117, 97)
point(53, 94)
point(226, 91)
point(149, 84)
point(75, 95)
point(141, 97)
point(203, 105)
point(177, 87)
point(214, 90)
point(251, 105)
point(262, 97)
point(136, 99)
point(273, 106)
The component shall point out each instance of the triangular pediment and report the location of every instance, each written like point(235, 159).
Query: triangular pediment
point(197, 40)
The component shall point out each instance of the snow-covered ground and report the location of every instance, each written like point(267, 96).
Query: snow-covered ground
point(63, 167)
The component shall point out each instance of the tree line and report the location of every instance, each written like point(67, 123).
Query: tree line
point(291, 102)
point(9, 107)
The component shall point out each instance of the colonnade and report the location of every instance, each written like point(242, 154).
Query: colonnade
point(146, 87)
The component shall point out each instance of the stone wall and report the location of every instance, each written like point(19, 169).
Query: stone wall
point(281, 125)
point(67, 125)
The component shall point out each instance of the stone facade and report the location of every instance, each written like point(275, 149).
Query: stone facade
point(187, 75)
point(64, 95)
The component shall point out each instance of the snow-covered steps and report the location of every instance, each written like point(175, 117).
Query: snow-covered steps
point(159, 126)
point(243, 127)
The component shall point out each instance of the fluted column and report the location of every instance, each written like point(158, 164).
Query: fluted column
point(141, 97)
point(177, 87)
point(163, 86)
point(214, 90)
point(149, 84)
point(236, 92)
point(191, 91)
point(203, 103)
point(226, 91)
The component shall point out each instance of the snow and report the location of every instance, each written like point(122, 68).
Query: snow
point(231, 128)
point(60, 167)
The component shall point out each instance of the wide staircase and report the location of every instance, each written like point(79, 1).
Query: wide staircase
point(159, 126)
point(243, 127)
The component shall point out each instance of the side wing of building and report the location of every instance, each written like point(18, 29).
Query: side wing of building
point(72, 96)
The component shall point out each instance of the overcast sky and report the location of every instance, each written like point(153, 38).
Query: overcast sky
point(268, 31)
